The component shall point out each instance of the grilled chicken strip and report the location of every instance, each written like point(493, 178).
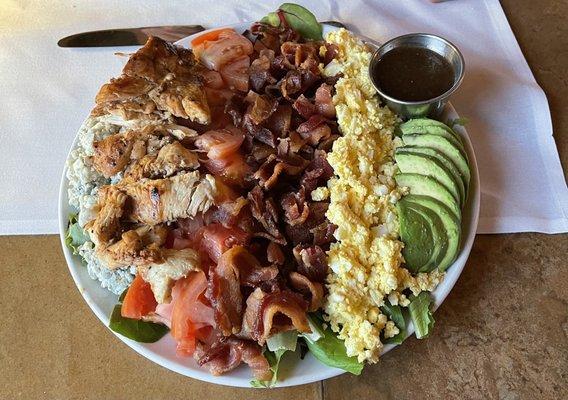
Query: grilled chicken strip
point(139, 246)
point(155, 201)
point(171, 159)
point(104, 227)
point(115, 152)
point(161, 276)
point(158, 77)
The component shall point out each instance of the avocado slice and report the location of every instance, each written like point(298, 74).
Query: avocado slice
point(416, 234)
point(429, 186)
point(416, 163)
point(423, 124)
point(451, 226)
point(450, 166)
point(433, 130)
point(446, 147)
point(437, 232)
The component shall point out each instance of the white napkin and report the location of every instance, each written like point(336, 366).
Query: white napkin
point(46, 93)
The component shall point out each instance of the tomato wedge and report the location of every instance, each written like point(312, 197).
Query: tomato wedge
point(139, 300)
point(190, 318)
point(210, 36)
point(235, 73)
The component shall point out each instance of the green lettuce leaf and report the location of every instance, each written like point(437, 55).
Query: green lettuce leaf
point(330, 350)
point(421, 315)
point(273, 358)
point(395, 315)
point(283, 341)
point(299, 19)
point(140, 331)
point(75, 236)
point(276, 345)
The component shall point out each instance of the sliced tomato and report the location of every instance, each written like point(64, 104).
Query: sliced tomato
point(228, 47)
point(189, 314)
point(220, 143)
point(213, 79)
point(139, 300)
point(210, 36)
point(236, 73)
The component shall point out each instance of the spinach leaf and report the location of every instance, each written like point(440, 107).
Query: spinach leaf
point(271, 19)
point(395, 315)
point(421, 315)
point(140, 331)
point(302, 21)
point(298, 18)
point(330, 350)
point(75, 236)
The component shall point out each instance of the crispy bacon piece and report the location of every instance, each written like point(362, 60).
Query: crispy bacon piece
point(312, 290)
point(331, 51)
point(264, 211)
point(324, 102)
point(316, 173)
point(295, 207)
point(280, 121)
point(298, 53)
point(235, 107)
point(314, 129)
point(271, 169)
point(312, 262)
point(226, 354)
point(274, 254)
point(260, 108)
point(323, 233)
point(217, 239)
point(304, 107)
point(267, 314)
point(259, 72)
point(291, 84)
point(251, 273)
point(224, 293)
point(236, 267)
point(301, 233)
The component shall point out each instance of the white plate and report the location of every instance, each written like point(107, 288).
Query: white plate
point(297, 372)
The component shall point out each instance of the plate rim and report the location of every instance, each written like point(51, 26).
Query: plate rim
point(440, 293)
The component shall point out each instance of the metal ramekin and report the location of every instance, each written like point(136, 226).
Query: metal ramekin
point(432, 107)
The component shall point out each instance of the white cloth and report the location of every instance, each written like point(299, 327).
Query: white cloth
point(46, 92)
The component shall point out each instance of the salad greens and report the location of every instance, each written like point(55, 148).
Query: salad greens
point(395, 315)
point(421, 314)
point(276, 345)
point(140, 331)
point(75, 236)
point(330, 350)
point(298, 18)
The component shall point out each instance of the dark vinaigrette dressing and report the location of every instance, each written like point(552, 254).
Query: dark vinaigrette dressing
point(413, 74)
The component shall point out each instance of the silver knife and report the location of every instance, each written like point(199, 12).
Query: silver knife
point(138, 36)
point(128, 36)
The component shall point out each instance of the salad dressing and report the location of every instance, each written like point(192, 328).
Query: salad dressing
point(413, 74)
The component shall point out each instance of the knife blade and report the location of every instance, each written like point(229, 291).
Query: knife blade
point(128, 36)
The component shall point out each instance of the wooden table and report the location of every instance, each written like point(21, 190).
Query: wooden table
point(502, 332)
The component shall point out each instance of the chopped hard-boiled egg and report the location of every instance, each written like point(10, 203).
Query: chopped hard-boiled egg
point(366, 261)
